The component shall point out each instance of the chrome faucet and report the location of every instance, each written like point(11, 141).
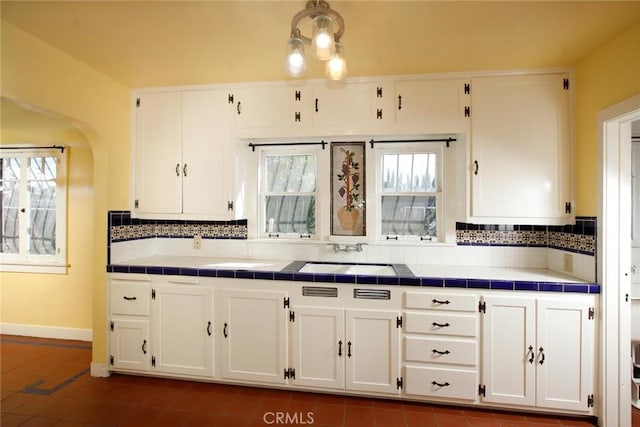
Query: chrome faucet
point(337, 247)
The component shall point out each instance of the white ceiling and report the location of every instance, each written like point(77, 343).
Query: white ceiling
point(147, 43)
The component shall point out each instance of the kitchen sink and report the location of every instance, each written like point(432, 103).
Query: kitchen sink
point(337, 268)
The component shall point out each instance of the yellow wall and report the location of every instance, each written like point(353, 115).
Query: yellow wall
point(607, 76)
point(38, 74)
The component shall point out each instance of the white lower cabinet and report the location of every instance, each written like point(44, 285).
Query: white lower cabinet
point(129, 344)
point(348, 349)
point(129, 319)
point(539, 352)
point(497, 349)
point(441, 345)
point(182, 317)
point(254, 335)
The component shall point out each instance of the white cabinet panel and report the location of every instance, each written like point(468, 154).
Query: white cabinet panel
point(158, 153)
point(129, 297)
point(442, 324)
point(539, 352)
point(207, 159)
point(372, 350)
point(441, 302)
point(354, 107)
point(440, 350)
point(520, 165)
point(129, 344)
point(433, 106)
point(272, 107)
point(254, 335)
point(183, 330)
point(318, 347)
point(565, 338)
point(508, 334)
point(442, 382)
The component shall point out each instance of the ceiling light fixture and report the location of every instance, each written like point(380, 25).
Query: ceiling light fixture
point(327, 29)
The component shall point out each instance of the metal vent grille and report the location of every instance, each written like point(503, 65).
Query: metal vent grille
point(372, 294)
point(317, 291)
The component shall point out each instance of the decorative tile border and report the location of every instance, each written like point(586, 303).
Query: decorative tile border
point(579, 238)
point(124, 228)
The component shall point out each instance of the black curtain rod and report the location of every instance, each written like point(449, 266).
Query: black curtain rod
point(253, 146)
point(55, 147)
point(447, 140)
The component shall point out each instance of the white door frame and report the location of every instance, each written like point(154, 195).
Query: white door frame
point(614, 260)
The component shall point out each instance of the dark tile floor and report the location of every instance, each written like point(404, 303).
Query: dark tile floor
point(46, 382)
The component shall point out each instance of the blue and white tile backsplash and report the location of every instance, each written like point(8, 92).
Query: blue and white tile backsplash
point(520, 246)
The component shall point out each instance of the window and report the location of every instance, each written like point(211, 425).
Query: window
point(410, 192)
point(33, 205)
point(289, 195)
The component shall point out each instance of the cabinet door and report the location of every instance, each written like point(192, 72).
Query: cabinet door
point(431, 105)
point(183, 330)
point(129, 344)
point(158, 153)
point(350, 108)
point(318, 347)
point(254, 335)
point(565, 355)
point(207, 154)
point(520, 164)
point(373, 350)
point(508, 346)
point(271, 107)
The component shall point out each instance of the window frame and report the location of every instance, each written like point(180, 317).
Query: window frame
point(436, 148)
point(24, 261)
point(262, 192)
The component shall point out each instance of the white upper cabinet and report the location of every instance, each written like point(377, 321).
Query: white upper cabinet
point(182, 143)
point(352, 108)
point(158, 153)
point(520, 160)
point(259, 110)
point(431, 106)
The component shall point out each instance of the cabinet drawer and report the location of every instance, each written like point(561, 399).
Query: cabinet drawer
point(128, 297)
point(446, 383)
point(464, 325)
point(434, 350)
point(436, 301)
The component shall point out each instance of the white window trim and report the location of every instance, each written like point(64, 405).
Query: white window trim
point(438, 149)
point(261, 194)
point(55, 264)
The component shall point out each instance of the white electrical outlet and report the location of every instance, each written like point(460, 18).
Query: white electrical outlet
point(568, 263)
point(197, 241)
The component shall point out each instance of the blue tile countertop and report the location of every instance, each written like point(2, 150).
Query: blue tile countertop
point(441, 276)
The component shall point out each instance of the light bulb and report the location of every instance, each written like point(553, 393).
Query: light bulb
point(295, 62)
point(336, 67)
point(323, 45)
